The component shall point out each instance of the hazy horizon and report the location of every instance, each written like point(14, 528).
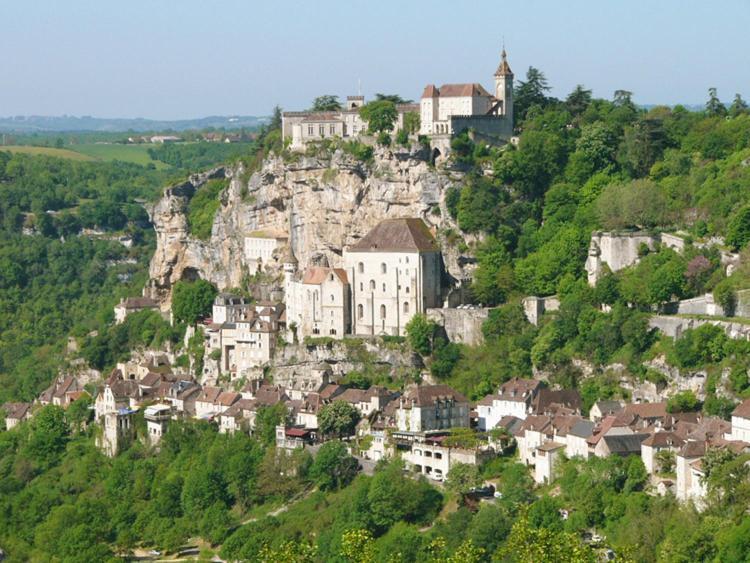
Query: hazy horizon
point(168, 62)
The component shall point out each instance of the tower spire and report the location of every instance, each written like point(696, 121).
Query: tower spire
point(504, 68)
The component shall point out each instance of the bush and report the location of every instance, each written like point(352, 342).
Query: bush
point(384, 139)
point(402, 137)
point(420, 332)
point(358, 150)
point(202, 209)
point(192, 301)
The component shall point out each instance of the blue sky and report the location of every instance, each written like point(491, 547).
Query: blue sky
point(171, 59)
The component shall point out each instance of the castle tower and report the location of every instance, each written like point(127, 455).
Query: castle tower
point(504, 85)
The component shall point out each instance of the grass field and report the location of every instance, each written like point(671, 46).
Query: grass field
point(48, 151)
point(137, 154)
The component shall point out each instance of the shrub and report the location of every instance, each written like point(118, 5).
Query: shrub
point(202, 209)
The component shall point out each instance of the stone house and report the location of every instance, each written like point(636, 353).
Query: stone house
point(293, 438)
point(130, 305)
point(318, 302)
point(600, 409)
point(547, 456)
point(239, 416)
point(432, 407)
point(741, 422)
point(657, 442)
point(577, 444)
point(213, 400)
point(514, 398)
point(157, 418)
point(689, 470)
point(118, 430)
point(427, 454)
point(395, 272)
point(61, 393)
point(117, 394)
point(261, 247)
point(15, 413)
point(620, 444)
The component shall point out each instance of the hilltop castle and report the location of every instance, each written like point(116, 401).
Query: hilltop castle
point(443, 112)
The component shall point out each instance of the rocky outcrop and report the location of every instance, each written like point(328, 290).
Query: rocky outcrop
point(324, 203)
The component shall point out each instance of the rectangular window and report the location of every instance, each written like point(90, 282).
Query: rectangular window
point(322, 130)
point(310, 130)
point(332, 130)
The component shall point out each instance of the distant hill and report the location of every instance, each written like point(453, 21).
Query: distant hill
point(42, 123)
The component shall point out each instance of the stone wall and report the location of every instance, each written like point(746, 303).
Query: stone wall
point(676, 326)
point(534, 307)
point(701, 305)
point(462, 325)
point(616, 250)
point(495, 127)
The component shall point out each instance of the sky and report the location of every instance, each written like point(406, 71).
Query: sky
point(179, 59)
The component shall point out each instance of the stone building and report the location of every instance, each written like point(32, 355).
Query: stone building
point(318, 302)
point(301, 127)
point(118, 431)
point(432, 407)
point(130, 305)
point(395, 272)
point(452, 108)
point(260, 247)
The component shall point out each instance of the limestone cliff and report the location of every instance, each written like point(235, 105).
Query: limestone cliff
point(324, 203)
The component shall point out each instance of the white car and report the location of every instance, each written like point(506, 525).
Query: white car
point(154, 553)
point(436, 476)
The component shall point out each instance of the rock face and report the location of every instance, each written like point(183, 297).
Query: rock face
point(324, 203)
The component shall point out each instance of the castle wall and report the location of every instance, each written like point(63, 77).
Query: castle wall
point(534, 307)
point(617, 250)
point(463, 326)
point(495, 126)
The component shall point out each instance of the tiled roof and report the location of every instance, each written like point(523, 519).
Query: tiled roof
point(647, 410)
point(536, 423)
point(138, 303)
point(569, 398)
point(125, 389)
point(518, 389)
point(471, 89)
point(504, 68)
point(664, 440)
point(427, 395)
point(694, 448)
point(16, 410)
point(582, 429)
point(608, 407)
point(326, 117)
point(209, 395)
point(315, 275)
point(511, 423)
point(397, 235)
point(743, 409)
point(227, 398)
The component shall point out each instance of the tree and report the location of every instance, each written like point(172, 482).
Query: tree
point(203, 488)
point(49, 435)
point(338, 419)
point(393, 98)
point(684, 401)
point(493, 280)
point(578, 100)
point(714, 107)
point(462, 477)
point(640, 203)
point(379, 115)
point(333, 467)
point(420, 332)
point(738, 107)
point(192, 300)
point(411, 122)
point(266, 421)
point(529, 545)
point(326, 102)
point(357, 546)
point(529, 93)
point(738, 230)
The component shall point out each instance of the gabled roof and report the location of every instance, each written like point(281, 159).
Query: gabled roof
point(511, 423)
point(227, 398)
point(608, 407)
point(428, 395)
point(624, 443)
point(569, 398)
point(16, 410)
point(315, 275)
point(469, 89)
point(397, 235)
point(693, 448)
point(518, 389)
point(138, 303)
point(536, 423)
point(742, 410)
point(663, 440)
point(582, 429)
point(209, 395)
point(647, 410)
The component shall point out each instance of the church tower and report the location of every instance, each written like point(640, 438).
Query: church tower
point(504, 85)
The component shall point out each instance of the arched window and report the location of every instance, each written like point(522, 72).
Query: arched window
point(407, 259)
point(361, 268)
point(332, 298)
point(383, 268)
point(383, 288)
point(382, 311)
point(372, 285)
point(360, 311)
point(407, 289)
point(330, 277)
point(406, 306)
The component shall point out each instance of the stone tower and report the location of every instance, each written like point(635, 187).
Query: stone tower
point(504, 85)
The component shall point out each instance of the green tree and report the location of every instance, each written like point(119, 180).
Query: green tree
point(333, 467)
point(411, 122)
point(420, 332)
point(326, 102)
point(528, 545)
point(266, 421)
point(192, 300)
point(203, 488)
point(714, 107)
point(393, 98)
point(462, 477)
point(578, 100)
point(49, 435)
point(357, 546)
point(529, 93)
point(738, 107)
point(338, 419)
point(738, 230)
point(379, 115)
point(684, 401)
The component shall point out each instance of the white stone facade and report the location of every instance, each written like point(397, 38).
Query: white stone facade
point(317, 303)
point(260, 247)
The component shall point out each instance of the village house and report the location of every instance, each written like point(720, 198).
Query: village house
point(427, 454)
point(240, 416)
point(293, 438)
point(213, 400)
point(658, 442)
point(116, 395)
point(16, 413)
point(157, 418)
point(118, 431)
point(129, 305)
point(432, 407)
point(395, 272)
point(600, 409)
point(741, 422)
point(512, 399)
point(61, 393)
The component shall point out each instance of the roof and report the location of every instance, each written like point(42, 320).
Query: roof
point(569, 398)
point(693, 448)
point(511, 423)
point(518, 389)
point(608, 407)
point(536, 423)
point(646, 410)
point(151, 379)
point(125, 388)
point(582, 429)
point(397, 235)
point(64, 386)
point(469, 89)
point(427, 395)
point(227, 398)
point(319, 117)
point(209, 394)
point(742, 410)
point(297, 432)
point(330, 390)
point(550, 446)
point(315, 275)
point(504, 68)
point(624, 443)
point(138, 303)
point(269, 234)
point(663, 440)
point(16, 410)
